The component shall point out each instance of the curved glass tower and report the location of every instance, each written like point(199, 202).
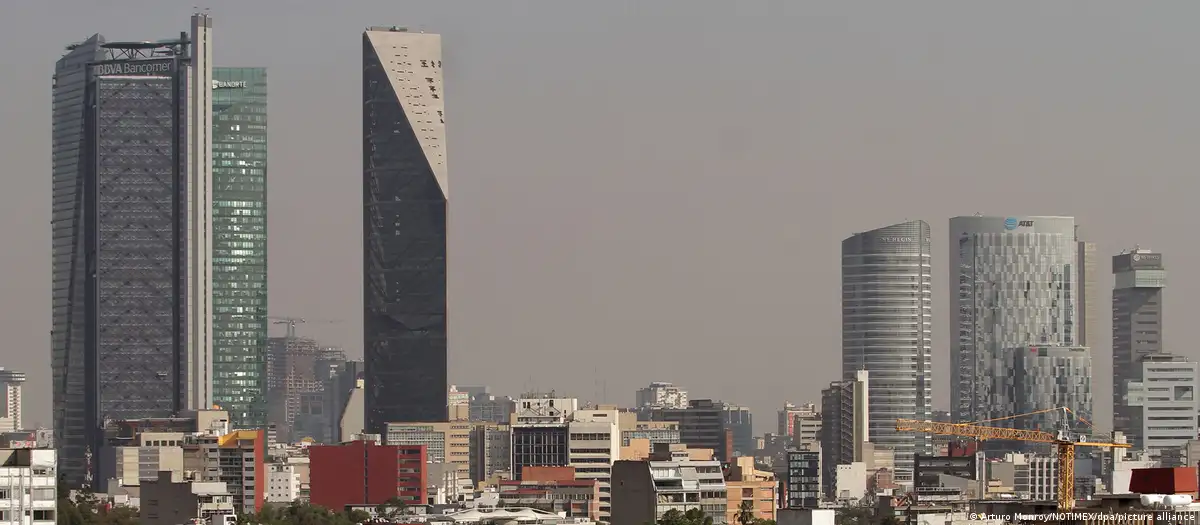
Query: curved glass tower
point(887, 330)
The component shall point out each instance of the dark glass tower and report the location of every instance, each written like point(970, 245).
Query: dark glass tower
point(119, 260)
point(404, 228)
point(239, 218)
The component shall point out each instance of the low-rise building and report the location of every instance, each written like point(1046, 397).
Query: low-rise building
point(170, 500)
point(283, 483)
point(28, 481)
point(744, 483)
point(553, 489)
point(364, 472)
point(672, 479)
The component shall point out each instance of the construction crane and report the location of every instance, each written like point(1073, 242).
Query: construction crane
point(1064, 440)
point(291, 323)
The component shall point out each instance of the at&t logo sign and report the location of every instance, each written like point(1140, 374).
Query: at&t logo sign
point(1013, 223)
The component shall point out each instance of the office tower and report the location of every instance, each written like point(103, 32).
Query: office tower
point(887, 330)
point(740, 421)
point(239, 251)
point(1040, 379)
point(703, 424)
point(124, 147)
point(10, 418)
point(1087, 305)
point(662, 395)
point(404, 227)
point(1011, 281)
point(1137, 329)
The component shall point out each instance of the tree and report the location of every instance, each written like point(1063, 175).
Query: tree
point(691, 517)
point(745, 515)
point(86, 509)
point(298, 513)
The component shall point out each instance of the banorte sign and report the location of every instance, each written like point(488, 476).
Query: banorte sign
point(228, 84)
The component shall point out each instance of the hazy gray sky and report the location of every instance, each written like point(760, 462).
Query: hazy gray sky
point(657, 190)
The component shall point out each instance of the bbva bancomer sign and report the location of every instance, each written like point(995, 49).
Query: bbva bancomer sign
point(134, 67)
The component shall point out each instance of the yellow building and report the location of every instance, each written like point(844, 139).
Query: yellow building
point(745, 483)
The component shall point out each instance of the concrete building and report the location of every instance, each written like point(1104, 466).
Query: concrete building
point(491, 451)
point(540, 434)
point(367, 473)
point(554, 489)
point(1164, 393)
point(28, 481)
point(789, 413)
point(594, 441)
point(239, 243)
point(131, 254)
point(405, 193)
point(170, 500)
point(338, 391)
point(739, 422)
point(887, 330)
point(744, 483)
point(1040, 378)
point(1032, 477)
point(845, 432)
point(652, 431)
point(671, 480)
point(10, 417)
point(1137, 314)
point(487, 407)
point(458, 404)
point(804, 479)
point(298, 368)
point(662, 395)
point(444, 442)
point(283, 483)
point(1011, 281)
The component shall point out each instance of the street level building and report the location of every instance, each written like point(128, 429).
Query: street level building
point(1164, 395)
point(405, 190)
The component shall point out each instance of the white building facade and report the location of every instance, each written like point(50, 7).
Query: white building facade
point(1166, 393)
point(662, 395)
point(28, 486)
point(283, 484)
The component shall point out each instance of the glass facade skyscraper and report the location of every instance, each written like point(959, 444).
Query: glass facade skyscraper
point(239, 217)
point(887, 331)
point(405, 195)
point(1013, 283)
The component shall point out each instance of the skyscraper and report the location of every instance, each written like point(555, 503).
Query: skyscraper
point(240, 243)
point(887, 330)
point(1012, 281)
point(1087, 305)
point(404, 227)
point(125, 175)
point(1137, 330)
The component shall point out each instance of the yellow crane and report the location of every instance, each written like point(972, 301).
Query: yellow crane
point(1064, 440)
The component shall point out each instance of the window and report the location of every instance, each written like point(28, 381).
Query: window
point(43, 515)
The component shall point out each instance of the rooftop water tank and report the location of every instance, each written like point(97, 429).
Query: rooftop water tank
point(1153, 499)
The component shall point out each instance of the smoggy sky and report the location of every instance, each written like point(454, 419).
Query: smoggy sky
point(657, 190)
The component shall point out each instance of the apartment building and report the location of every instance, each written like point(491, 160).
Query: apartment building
point(672, 479)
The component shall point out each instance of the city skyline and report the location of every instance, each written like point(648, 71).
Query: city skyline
point(577, 295)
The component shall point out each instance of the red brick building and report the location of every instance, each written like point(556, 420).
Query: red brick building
point(366, 473)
